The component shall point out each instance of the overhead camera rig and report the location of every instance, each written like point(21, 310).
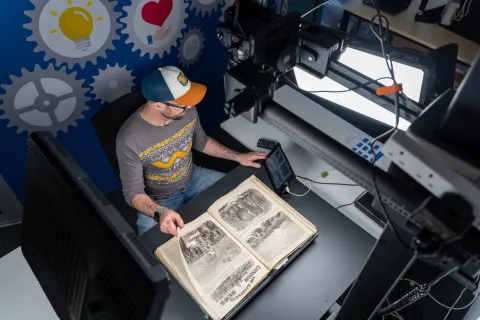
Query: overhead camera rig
point(263, 48)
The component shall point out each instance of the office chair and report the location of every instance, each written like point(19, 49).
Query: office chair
point(106, 123)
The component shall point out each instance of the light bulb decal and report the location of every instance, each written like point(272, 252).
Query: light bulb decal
point(77, 25)
point(74, 28)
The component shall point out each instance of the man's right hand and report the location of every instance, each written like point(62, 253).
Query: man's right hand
point(169, 220)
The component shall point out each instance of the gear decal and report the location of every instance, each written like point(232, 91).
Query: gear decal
point(112, 83)
point(205, 7)
point(73, 31)
point(46, 100)
point(191, 47)
point(154, 26)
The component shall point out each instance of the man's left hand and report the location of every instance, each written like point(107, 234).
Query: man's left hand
point(247, 159)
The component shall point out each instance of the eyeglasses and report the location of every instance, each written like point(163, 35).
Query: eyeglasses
point(174, 105)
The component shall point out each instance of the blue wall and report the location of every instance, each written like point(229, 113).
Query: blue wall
point(37, 54)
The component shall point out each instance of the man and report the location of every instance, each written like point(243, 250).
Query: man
point(154, 150)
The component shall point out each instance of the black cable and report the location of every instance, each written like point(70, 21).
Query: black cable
point(349, 204)
point(382, 36)
point(419, 292)
point(330, 183)
point(339, 91)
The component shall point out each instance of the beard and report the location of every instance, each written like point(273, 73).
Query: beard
point(174, 117)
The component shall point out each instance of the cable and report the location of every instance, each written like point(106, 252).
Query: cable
point(454, 304)
point(339, 91)
point(395, 315)
point(443, 305)
point(349, 204)
point(300, 195)
point(419, 292)
point(443, 275)
point(382, 36)
point(461, 13)
point(329, 183)
point(415, 106)
point(307, 13)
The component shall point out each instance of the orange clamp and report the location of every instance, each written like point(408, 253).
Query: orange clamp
point(389, 89)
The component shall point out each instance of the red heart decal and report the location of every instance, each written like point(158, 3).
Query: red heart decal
point(156, 13)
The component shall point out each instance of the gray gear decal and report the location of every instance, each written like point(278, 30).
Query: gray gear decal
point(205, 7)
point(112, 83)
point(43, 100)
point(138, 30)
point(70, 61)
point(191, 47)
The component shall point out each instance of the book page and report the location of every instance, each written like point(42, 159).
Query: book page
point(262, 221)
point(221, 270)
point(170, 255)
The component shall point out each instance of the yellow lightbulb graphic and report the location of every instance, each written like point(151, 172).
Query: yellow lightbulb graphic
point(77, 25)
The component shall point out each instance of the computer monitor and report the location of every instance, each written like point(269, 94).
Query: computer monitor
point(88, 260)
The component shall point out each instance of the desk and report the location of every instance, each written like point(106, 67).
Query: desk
point(425, 34)
point(304, 164)
point(311, 284)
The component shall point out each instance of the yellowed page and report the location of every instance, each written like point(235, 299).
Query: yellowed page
point(221, 270)
point(169, 254)
point(265, 224)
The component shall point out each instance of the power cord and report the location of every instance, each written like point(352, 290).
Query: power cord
point(463, 11)
point(419, 292)
point(349, 204)
point(287, 189)
point(382, 36)
point(331, 91)
point(328, 183)
point(308, 12)
point(452, 307)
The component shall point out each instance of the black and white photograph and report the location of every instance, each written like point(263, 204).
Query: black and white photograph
point(245, 208)
point(208, 251)
point(274, 235)
point(232, 281)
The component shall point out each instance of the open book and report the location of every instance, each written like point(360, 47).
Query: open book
point(227, 252)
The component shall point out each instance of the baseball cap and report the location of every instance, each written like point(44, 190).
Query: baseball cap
point(170, 84)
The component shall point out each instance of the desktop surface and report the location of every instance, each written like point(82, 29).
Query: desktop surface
point(429, 35)
point(310, 285)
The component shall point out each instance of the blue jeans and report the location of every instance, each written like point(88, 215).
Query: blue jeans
point(201, 180)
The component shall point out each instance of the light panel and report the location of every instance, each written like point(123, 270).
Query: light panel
point(350, 99)
point(375, 67)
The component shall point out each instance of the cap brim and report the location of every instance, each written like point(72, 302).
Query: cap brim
point(193, 96)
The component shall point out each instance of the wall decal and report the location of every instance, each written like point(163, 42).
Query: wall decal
point(205, 7)
point(45, 99)
point(191, 47)
point(73, 31)
point(155, 26)
point(112, 83)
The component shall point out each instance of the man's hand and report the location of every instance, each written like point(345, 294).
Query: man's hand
point(247, 159)
point(169, 220)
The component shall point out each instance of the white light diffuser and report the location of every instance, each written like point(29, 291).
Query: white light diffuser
point(375, 67)
point(350, 99)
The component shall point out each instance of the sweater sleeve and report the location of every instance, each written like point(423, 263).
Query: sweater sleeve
point(131, 172)
point(200, 138)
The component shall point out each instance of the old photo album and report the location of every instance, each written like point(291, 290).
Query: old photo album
point(221, 257)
